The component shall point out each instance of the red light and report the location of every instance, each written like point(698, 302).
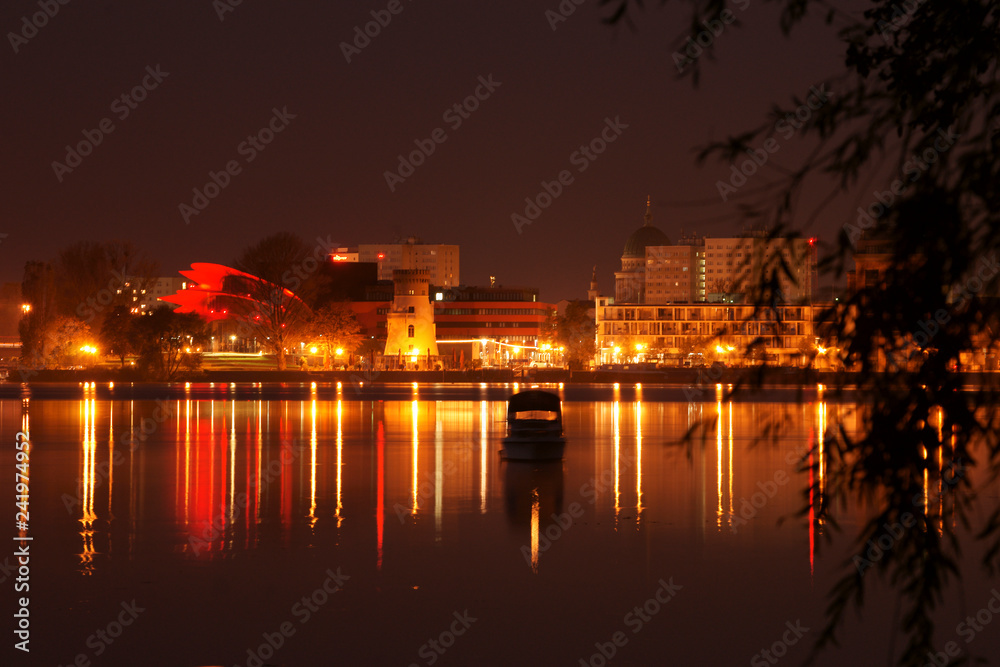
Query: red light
point(812, 241)
point(381, 255)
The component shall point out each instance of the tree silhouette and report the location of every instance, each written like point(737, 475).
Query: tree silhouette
point(334, 327)
point(914, 113)
point(270, 310)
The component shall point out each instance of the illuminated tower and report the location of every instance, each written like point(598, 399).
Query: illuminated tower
point(410, 323)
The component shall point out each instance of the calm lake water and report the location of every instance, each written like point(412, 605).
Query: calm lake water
point(332, 527)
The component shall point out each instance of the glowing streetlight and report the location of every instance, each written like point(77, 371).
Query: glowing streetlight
point(313, 350)
point(339, 351)
point(639, 347)
point(25, 308)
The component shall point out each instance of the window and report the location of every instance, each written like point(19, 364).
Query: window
point(409, 331)
point(411, 309)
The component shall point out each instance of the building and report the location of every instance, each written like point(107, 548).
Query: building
point(668, 299)
point(740, 265)
point(149, 298)
point(872, 258)
point(410, 329)
point(630, 282)
point(699, 269)
point(676, 274)
point(719, 332)
point(441, 261)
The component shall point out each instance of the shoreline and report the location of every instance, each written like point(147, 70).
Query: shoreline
point(687, 385)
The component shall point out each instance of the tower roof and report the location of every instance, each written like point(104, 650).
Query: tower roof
point(647, 235)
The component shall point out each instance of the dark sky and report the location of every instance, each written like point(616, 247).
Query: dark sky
point(323, 175)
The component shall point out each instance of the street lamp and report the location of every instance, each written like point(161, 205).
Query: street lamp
point(25, 308)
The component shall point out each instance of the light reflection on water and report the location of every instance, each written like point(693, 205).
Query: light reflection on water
point(240, 466)
point(410, 493)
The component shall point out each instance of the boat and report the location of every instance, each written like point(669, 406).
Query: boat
point(534, 427)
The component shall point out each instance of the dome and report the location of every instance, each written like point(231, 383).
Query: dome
point(647, 235)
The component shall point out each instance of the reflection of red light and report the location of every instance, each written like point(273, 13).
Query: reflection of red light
point(381, 255)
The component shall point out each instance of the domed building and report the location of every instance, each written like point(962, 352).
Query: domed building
point(630, 282)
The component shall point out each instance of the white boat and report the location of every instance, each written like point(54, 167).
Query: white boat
point(534, 427)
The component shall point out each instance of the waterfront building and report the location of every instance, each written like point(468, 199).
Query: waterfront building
point(410, 329)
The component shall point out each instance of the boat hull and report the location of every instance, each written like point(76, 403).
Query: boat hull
point(533, 449)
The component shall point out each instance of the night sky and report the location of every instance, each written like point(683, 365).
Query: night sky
point(219, 82)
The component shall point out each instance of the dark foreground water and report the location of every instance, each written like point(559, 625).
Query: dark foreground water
point(384, 529)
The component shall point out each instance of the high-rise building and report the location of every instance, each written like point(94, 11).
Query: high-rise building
point(412, 253)
point(740, 265)
point(676, 273)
